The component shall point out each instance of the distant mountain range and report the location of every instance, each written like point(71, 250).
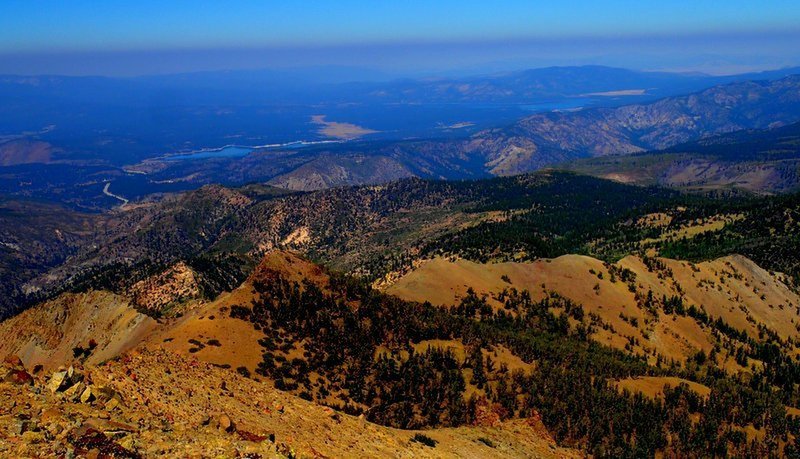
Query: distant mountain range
point(548, 138)
point(313, 87)
point(536, 141)
point(556, 83)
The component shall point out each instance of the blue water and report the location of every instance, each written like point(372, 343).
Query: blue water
point(566, 104)
point(226, 152)
point(282, 126)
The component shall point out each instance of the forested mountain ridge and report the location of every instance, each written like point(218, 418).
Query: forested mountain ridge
point(345, 227)
point(378, 230)
point(490, 358)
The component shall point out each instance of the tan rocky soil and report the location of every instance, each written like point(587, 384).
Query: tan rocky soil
point(175, 285)
point(154, 403)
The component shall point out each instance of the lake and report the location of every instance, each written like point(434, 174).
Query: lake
point(225, 152)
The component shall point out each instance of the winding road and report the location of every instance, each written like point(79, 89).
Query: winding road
point(108, 193)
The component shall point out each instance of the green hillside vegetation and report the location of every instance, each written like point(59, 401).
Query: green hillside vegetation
point(373, 231)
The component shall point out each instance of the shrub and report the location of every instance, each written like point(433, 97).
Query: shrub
point(424, 439)
point(486, 442)
point(243, 371)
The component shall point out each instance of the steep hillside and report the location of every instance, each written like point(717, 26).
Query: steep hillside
point(164, 291)
point(507, 350)
point(153, 403)
point(548, 138)
point(341, 344)
point(88, 327)
point(766, 161)
point(36, 236)
point(330, 171)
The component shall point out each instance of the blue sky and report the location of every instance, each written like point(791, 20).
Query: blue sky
point(421, 34)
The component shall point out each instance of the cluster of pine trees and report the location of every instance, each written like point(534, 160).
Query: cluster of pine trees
point(357, 353)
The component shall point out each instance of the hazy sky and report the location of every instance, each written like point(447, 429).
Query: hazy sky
point(145, 36)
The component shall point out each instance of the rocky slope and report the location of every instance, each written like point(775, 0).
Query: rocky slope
point(154, 403)
point(169, 288)
point(146, 389)
point(199, 381)
point(86, 327)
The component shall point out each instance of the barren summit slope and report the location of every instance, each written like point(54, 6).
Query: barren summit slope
point(172, 403)
point(49, 333)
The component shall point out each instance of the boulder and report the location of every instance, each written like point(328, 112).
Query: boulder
point(19, 377)
point(225, 423)
point(74, 392)
point(13, 361)
point(21, 424)
point(33, 437)
point(50, 415)
point(74, 375)
point(88, 395)
point(55, 429)
point(113, 404)
point(110, 428)
point(58, 382)
point(105, 393)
